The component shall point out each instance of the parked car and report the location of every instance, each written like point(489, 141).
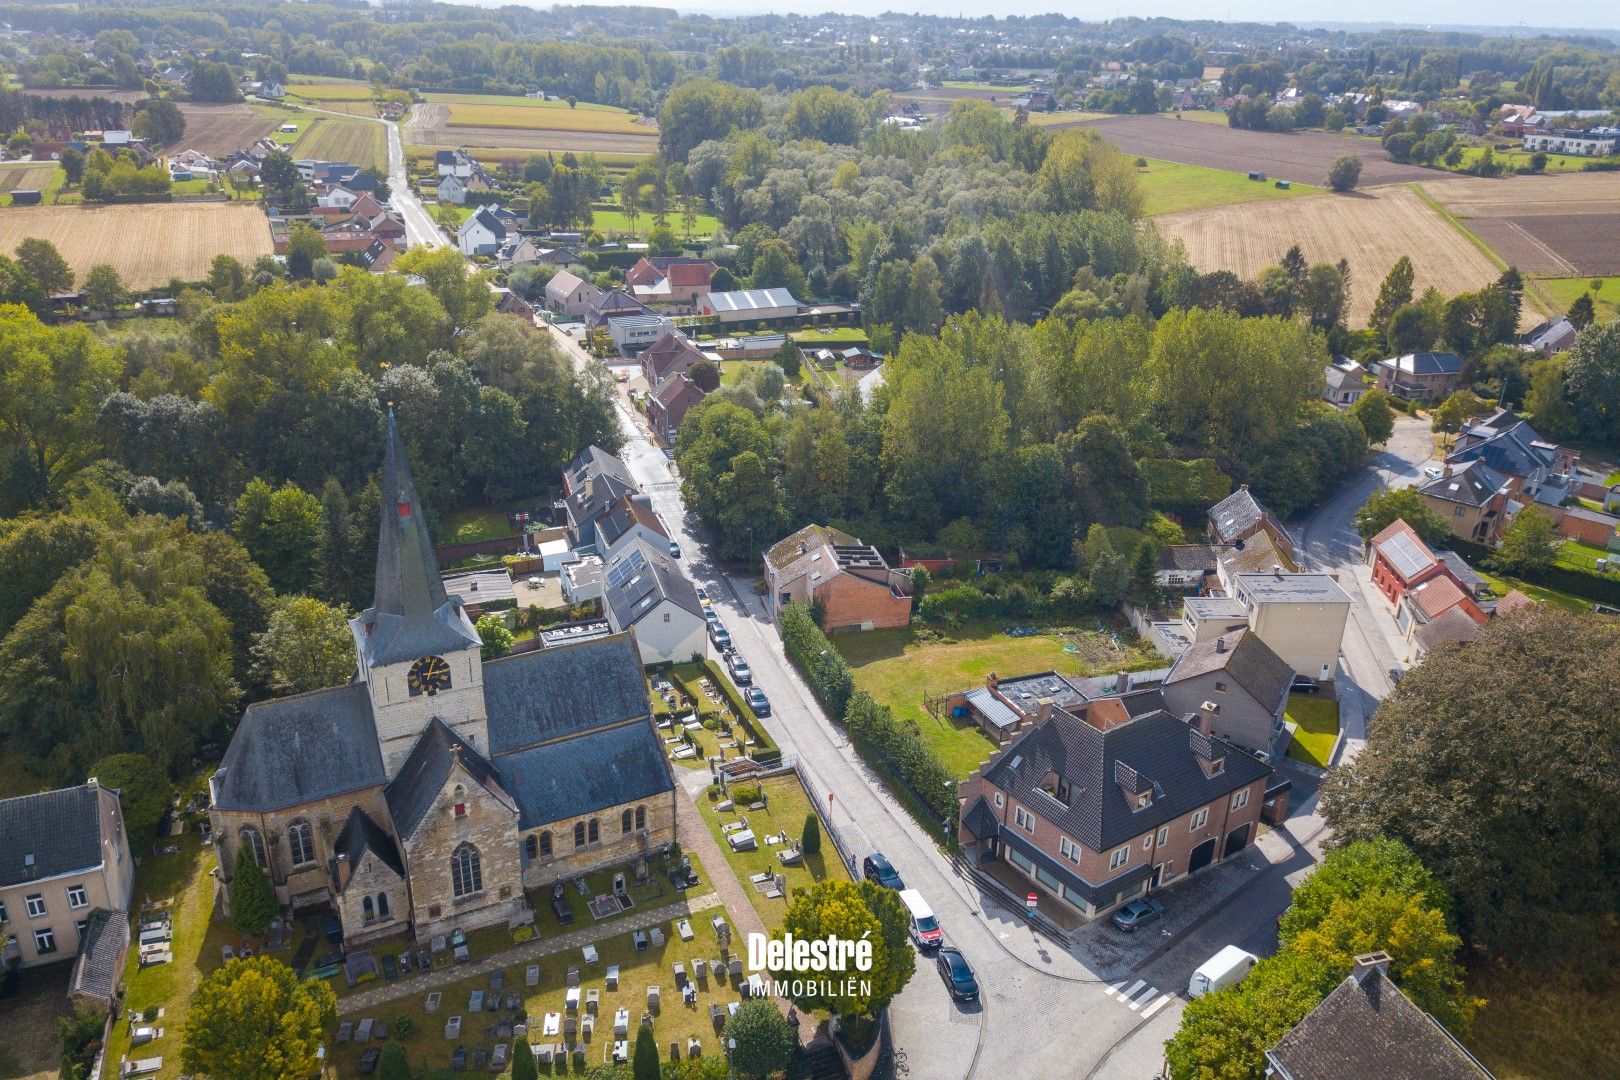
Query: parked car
point(712, 615)
point(721, 636)
point(877, 867)
point(1138, 912)
point(741, 674)
point(958, 976)
point(925, 929)
point(1433, 472)
point(758, 701)
point(674, 550)
point(1304, 684)
point(703, 596)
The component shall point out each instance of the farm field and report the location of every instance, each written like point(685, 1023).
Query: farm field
point(1064, 119)
point(1169, 187)
point(1559, 226)
point(216, 130)
point(43, 176)
point(1370, 229)
point(1302, 156)
point(332, 138)
point(107, 92)
point(431, 125)
point(542, 116)
point(314, 88)
point(149, 243)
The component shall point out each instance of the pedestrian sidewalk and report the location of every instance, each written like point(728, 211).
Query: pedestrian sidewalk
point(524, 953)
point(1098, 953)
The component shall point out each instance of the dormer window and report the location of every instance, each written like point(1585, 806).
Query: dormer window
point(1144, 800)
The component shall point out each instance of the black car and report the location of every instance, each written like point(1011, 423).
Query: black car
point(879, 869)
point(1304, 684)
point(959, 980)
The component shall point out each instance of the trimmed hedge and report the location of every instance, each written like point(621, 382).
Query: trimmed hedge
point(829, 676)
point(900, 752)
point(765, 752)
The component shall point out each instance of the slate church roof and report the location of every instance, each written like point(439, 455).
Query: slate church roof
point(360, 834)
point(298, 749)
point(541, 696)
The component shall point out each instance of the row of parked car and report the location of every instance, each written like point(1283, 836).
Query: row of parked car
point(926, 933)
point(736, 666)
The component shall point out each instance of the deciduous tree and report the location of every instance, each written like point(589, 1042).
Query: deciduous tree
point(852, 912)
point(762, 1042)
point(1386, 505)
point(306, 647)
point(1530, 542)
point(1345, 173)
point(1394, 294)
point(143, 792)
point(254, 1019)
point(1373, 412)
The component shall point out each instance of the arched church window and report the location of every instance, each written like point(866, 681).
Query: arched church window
point(579, 834)
point(368, 910)
point(596, 831)
point(624, 822)
point(545, 844)
point(254, 843)
point(641, 817)
point(300, 843)
point(382, 905)
point(466, 872)
point(531, 848)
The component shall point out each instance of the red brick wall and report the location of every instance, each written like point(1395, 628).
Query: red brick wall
point(1595, 533)
point(850, 601)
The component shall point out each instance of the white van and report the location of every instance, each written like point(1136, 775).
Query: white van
point(925, 929)
point(1225, 968)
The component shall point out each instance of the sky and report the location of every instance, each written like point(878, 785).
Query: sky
point(1577, 14)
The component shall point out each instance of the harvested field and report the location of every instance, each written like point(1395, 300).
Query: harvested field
point(149, 243)
point(1563, 226)
point(127, 96)
point(429, 125)
point(312, 88)
point(216, 130)
point(339, 138)
point(1370, 229)
point(25, 174)
point(1303, 156)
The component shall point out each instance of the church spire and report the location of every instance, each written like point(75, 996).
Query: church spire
point(410, 616)
point(408, 582)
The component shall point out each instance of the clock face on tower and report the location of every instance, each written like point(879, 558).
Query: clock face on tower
point(428, 676)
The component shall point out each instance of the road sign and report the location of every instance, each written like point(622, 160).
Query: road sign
point(1031, 901)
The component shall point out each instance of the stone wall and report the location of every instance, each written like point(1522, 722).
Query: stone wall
point(325, 817)
point(373, 878)
point(489, 825)
point(613, 847)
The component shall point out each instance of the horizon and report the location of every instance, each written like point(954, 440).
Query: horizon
point(1595, 16)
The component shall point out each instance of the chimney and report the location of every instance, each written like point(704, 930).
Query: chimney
point(590, 486)
point(1367, 963)
point(1220, 644)
point(1276, 568)
point(1206, 717)
point(991, 680)
point(1447, 474)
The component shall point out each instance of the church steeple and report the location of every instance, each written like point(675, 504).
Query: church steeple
point(410, 616)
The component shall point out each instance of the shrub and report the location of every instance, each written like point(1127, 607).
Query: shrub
point(813, 654)
point(903, 753)
point(810, 841)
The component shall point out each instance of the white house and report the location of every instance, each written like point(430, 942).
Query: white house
point(646, 592)
point(481, 234)
point(452, 190)
point(750, 305)
point(454, 163)
point(340, 197)
point(1597, 143)
point(632, 333)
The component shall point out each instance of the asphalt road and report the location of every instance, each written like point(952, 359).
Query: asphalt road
point(420, 229)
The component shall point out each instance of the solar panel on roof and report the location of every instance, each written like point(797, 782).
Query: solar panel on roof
point(1404, 553)
point(626, 569)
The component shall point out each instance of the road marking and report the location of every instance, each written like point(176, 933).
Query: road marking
point(1157, 1005)
point(1132, 992)
point(1149, 996)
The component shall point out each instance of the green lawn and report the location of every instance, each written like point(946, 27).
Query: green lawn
point(788, 806)
point(428, 1048)
point(1575, 555)
point(900, 671)
point(474, 524)
point(1318, 730)
point(1500, 584)
point(1518, 158)
point(1565, 291)
point(828, 337)
point(989, 87)
point(1169, 186)
point(1204, 116)
point(615, 221)
point(731, 371)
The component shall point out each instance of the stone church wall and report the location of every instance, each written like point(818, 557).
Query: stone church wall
point(491, 827)
point(613, 848)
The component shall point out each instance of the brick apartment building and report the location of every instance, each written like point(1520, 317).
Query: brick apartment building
point(1107, 799)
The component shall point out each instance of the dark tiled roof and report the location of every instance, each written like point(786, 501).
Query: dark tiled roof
point(420, 779)
point(586, 773)
point(360, 834)
point(294, 750)
point(1189, 557)
point(595, 461)
point(1425, 363)
point(605, 490)
point(1367, 1028)
point(980, 820)
point(101, 955)
point(1153, 743)
point(633, 591)
point(540, 696)
point(1512, 450)
point(1472, 485)
point(1460, 570)
point(1249, 661)
point(61, 829)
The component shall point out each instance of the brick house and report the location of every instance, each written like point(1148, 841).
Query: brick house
point(1588, 526)
point(668, 405)
point(847, 579)
point(670, 280)
point(63, 856)
point(433, 789)
point(570, 295)
point(671, 354)
point(1425, 376)
point(1240, 516)
point(1244, 679)
point(1472, 499)
point(1401, 561)
point(1115, 798)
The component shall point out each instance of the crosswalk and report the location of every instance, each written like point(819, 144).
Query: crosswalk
point(1139, 997)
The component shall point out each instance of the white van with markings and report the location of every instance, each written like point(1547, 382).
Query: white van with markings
point(1225, 968)
point(925, 929)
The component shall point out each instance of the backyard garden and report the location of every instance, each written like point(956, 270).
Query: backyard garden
point(1316, 728)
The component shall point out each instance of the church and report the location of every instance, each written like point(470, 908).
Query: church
point(434, 789)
